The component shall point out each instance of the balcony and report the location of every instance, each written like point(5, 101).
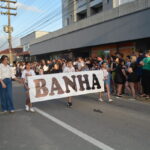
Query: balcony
point(81, 6)
point(95, 3)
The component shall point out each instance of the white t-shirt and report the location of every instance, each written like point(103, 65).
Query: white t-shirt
point(68, 69)
point(26, 73)
point(80, 65)
point(105, 73)
point(45, 68)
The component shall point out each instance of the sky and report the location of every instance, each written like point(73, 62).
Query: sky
point(32, 15)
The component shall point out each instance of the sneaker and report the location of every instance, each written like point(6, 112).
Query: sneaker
point(5, 111)
point(32, 109)
point(147, 97)
point(100, 99)
point(12, 111)
point(110, 100)
point(132, 99)
point(69, 104)
point(27, 108)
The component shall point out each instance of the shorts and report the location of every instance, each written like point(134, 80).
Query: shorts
point(106, 81)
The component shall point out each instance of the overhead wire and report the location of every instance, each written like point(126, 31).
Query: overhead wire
point(43, 24)
point(39, 20)
point(56, 19)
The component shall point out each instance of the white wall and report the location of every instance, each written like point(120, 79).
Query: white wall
point(125, 1)
point(117, 3)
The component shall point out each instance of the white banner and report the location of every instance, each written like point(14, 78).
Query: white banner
point(54, 86)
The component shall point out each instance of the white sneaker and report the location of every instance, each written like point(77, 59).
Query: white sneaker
point(32, 109)
point(132, 99)
point(110, 100)
point(5, 111)
point(27, 108)
point(12, 111)
point(100, 99)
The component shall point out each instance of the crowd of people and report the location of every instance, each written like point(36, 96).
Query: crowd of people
point(130, 75)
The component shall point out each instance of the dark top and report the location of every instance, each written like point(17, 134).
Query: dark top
point(119, 76)
point(56, 71)
point(114, 65)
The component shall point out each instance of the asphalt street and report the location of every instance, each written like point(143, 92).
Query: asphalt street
point(88, 125)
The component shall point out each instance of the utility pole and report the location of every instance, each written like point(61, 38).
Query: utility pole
point(7, 28)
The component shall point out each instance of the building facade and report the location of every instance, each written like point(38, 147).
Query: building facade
point(26, 43)
point(76, 10)
point(123, 28)
point(26, 40)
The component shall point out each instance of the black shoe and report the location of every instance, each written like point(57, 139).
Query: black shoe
point(69, 104)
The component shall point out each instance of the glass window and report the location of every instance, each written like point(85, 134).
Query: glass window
point(26, 47)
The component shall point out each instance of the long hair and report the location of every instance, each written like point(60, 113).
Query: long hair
point(148, 52)
point(3, 58)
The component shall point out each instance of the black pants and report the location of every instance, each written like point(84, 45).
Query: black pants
point(146, 81)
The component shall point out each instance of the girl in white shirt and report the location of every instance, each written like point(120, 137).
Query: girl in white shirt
point(69, 68)
point(106, 82)
point(25, 74)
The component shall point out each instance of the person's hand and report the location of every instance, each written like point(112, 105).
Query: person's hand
point(142, 63)
point(4, 85)
point(20, 81)
point(27, 88)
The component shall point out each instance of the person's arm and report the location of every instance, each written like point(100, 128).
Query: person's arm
point(25, 85)
point(17, 79)
point(3, 84)
point(124, 73)
point(111, 67)
point(108, 69)
point(23, 78)
point(1, 81)
point(14, 77)
point(142, 62)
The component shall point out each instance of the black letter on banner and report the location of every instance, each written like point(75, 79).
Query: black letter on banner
point(68, 83)
point(81, 82)
point(40, 86)
point(95, 82)
point(56, 87)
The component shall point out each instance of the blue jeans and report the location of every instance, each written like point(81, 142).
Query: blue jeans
point(6, 96)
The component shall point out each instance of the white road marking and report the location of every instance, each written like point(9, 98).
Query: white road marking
point(74, 130)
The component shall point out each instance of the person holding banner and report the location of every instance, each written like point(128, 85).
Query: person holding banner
point(6, 76)
point(25, 74)
point(106, 82)
point(69, 68)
